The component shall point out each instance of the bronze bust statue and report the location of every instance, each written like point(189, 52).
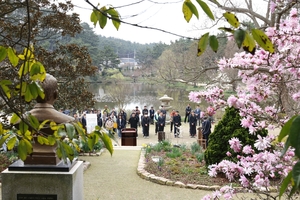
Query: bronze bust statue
point(44, 110)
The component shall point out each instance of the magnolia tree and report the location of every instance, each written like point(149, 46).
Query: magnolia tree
point(268, 96)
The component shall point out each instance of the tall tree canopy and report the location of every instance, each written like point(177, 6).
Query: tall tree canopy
point(32, 22)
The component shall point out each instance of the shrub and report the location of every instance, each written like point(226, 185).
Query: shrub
point(4, 162)
point(228, 127)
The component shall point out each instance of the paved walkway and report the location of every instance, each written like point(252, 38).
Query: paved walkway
point(114, 177)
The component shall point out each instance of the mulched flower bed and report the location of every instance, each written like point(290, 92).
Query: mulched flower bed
point(184, 168)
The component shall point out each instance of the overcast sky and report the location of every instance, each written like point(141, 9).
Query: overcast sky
point(167, 17)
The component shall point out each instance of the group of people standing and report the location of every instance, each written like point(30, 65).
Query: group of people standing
point(194, 117)
point(115, 122)
point(147, 118)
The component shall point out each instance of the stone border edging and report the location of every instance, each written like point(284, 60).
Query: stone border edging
point(163, 181)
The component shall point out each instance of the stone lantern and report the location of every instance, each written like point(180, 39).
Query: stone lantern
point(165, 102)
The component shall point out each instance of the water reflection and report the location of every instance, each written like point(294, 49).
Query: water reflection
point(128, 95)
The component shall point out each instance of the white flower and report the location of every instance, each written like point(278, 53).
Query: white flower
point(261, 143)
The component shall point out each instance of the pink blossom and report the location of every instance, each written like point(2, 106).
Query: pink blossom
point(235, 144)
point(244, 181)
point(228, 153)
point(262, 143)
point(272, 6)
point(248, 149)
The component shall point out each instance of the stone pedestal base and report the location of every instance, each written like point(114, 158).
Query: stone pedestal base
point(43, 185)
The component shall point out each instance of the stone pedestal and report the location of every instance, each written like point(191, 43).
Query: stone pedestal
point(43, 184)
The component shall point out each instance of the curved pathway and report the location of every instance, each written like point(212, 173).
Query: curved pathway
point(115, 177)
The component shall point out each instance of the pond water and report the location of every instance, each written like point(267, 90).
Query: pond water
point(127, 95)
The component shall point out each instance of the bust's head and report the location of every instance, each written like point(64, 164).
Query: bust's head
point(49, 86)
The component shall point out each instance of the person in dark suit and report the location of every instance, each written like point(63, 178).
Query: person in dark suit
point(161, 122)
point(99, 118)
point(145, 125)
point(198, 114)
point(177, 123)
point(121, 123)
point(188, 110)
point(134, 121)
point(206, 126)
point(192, 123)
point(151, 114)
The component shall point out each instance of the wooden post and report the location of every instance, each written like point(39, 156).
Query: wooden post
point(201, 141)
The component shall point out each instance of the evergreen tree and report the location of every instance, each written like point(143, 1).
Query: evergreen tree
point(227, 128)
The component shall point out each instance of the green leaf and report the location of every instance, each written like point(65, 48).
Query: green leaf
point(91, 141)
point(108, 143)
point(202, 44)
point(51, 139)
point(13, 58)
point(37, 72)
point(115, 17)
point(263, 40)
point(35, 69)
point(296, 174)
point(3, 139)
point(286, 146)
point(28, 146)
point(226, 29)
point(206, 9)
point(40, 90)
point(28, 95)
point(192, 8)
point(70, 130)
point(3, 53)
point(187, 13)
point(11, 143)
point(22, 150)
point(232, 19)
point(60, 151)
point(1, 130)
point(33, 90)
point(42, 125)
point(285, 184)
point(69, 151)
point(94, 17)
point(249, 44)
point(102, 18)
point(14, 118)
point(239, 36)
point(61, 132)
point(286, 129)
point(4, 85)
point(295, 135)
point(80, 130)
point(23, 127)
point(42, 140)
point(24, 69)
point(213, 43)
